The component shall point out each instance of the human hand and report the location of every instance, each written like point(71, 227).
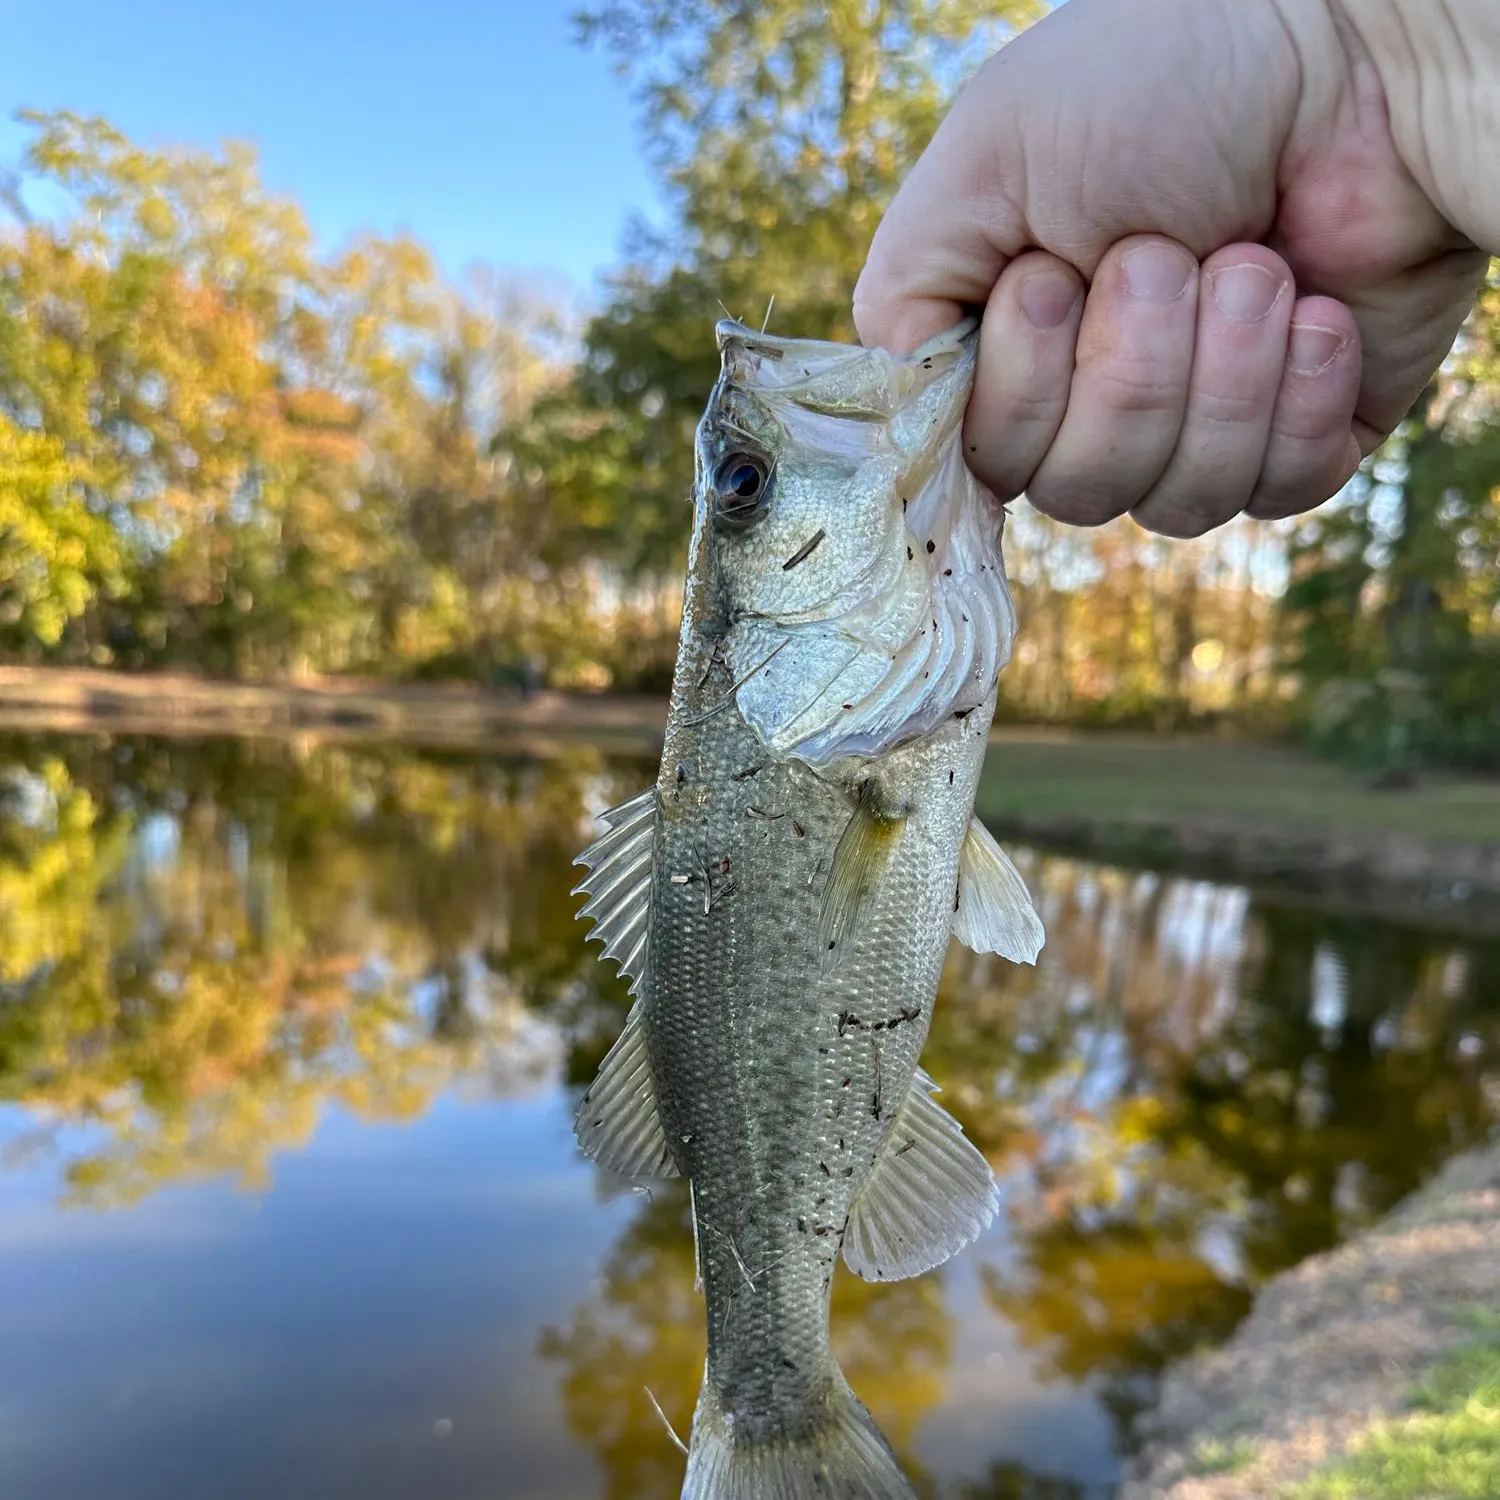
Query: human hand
point(1221, 245)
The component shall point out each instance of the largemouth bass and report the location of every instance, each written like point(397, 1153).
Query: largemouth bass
point(782, 898)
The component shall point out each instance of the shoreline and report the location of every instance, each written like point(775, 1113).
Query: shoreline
point(1269, 817)
point(1335, 1354)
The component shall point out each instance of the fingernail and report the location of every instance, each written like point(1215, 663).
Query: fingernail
point(1048, 299)
point(1312, 348)
point(1156, 272)
point(1244, 293)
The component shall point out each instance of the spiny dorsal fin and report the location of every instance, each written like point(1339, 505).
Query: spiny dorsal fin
point(619, 1122)
point(861, 855)
point(995, 914)
point(619, 883)
point(930, 1193)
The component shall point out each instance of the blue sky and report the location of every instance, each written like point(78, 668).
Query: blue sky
point(480, 127)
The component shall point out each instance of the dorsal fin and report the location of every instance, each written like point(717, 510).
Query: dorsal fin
point(619, 883)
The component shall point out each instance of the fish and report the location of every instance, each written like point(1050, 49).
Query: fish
point(781, 899)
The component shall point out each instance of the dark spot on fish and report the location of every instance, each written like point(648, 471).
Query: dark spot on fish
point(681, 775)
point(822, 1051)
point(802, 1226)
point(927, 363)
point(848, 1020)
point(841, 1143)
point(966, 619)
point(788, 1364)
point(910, 554)
point(805, 551)
point(724, 865)
point(823, 1165)
point(820, 1229)
point(931, 546)
point(832, 944)
point(973, 447)
point(798, 829)
point(848, 1171)
point(847, 707)
point(845, 1084)
point(947, 572)
point(748, 772)
point(820, 1202)
point(958, 885)
point(903, 505)
point(950, 778)
point(875, 1105)
point(962, 713)
point(902, 1150)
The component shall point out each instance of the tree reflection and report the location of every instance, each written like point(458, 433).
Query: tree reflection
point(200, 949)
point(1194, 1091)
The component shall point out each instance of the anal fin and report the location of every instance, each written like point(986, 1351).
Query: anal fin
point(995, 914)
point(619, 1121)
point(929, 1194)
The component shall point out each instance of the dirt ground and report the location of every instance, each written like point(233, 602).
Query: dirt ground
point(1331, 1346)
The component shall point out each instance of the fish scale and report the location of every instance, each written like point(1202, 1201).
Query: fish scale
point(798, 884)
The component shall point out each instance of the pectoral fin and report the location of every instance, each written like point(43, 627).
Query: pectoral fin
point(619, 1122)
point(860, 856)
point(994, 914)
point(930, 1193)
point(619, 883)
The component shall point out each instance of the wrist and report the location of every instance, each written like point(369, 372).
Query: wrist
point(1438, 62)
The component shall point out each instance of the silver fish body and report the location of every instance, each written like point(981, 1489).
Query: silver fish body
point(784, 895)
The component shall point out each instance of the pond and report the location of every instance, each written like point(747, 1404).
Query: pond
point(290, 1042)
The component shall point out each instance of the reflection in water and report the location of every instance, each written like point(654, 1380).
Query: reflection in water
point(207, 952)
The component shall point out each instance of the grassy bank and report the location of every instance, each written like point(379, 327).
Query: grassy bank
point(1264, 814)
point(1369, 1373)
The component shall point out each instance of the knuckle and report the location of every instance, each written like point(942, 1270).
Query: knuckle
point(1137, 388)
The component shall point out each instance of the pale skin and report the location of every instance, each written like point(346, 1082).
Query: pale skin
point(1221, 246)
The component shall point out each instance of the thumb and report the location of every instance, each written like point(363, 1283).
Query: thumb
point(947, 235)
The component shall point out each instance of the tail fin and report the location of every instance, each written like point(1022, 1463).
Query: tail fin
point(840, 1455)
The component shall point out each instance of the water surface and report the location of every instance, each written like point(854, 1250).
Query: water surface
point(290, 1041)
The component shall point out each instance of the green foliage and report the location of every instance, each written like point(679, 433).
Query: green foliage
point(57, 555)
point(1392, 619)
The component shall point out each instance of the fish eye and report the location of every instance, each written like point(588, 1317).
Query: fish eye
point(741, 486)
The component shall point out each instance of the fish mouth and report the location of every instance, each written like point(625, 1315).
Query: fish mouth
point(833, 379)
point(730, 331)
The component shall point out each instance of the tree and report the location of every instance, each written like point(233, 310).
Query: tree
point(1393, 616)
point(57, 556)
point(780, 132)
